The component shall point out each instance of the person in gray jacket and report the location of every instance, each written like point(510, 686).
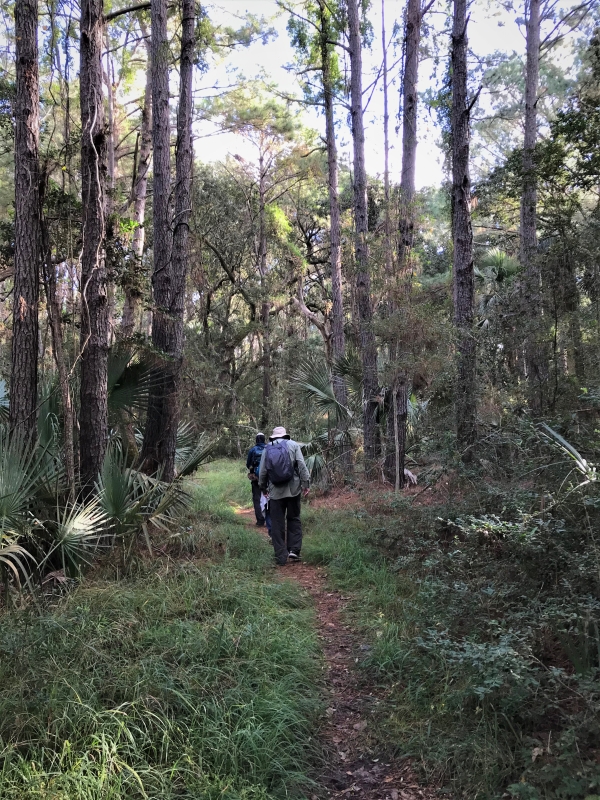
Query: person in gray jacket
point(284, 500)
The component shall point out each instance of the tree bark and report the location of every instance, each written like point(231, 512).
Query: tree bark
point(24, 365)
point(361, 248)
point(535, 352)
point(53, 310)
point(170, 249)
point(139, 193)
point(184, 160)
point(93, 418)
point(398, 412)
point(409, 134)
point(338, 339)
point(266, 305)
point(462, 234)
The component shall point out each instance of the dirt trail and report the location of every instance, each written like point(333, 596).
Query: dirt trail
point(353, 769)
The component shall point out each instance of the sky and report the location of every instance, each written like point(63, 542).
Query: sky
point(490, 28)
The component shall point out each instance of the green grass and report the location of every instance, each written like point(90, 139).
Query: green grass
point(197, 678)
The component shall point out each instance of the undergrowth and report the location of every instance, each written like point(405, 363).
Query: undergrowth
point(484, 633)
point(195, 678)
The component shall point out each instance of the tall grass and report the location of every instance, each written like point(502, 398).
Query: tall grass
point(195, 679)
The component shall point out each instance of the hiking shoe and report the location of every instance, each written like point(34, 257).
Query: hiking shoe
point(294, 556)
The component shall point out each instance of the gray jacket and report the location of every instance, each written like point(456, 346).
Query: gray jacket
point(301, 479)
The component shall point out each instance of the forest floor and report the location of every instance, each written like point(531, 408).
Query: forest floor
point(353, 766)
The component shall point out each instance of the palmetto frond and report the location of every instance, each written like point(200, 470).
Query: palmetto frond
point(349, 367)
point(79, 530)
point(312, 382)
point(191, 452)
point(13, 556)
point(23, 471)
point(130, 378)
point(498, 265)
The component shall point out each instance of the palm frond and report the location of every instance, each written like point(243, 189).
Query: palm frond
point(497, 265)
point(583, 466)
point(349, 367)
point(130, 378)
point(312, 382)
point(13, 556)
point(189, 457)
point(79, 531)
point(23, 470)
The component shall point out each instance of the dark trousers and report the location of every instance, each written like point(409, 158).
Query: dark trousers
point(287, 507)
point(256, 502)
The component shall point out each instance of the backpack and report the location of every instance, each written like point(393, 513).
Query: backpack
point(256, 456)
point(278, 464)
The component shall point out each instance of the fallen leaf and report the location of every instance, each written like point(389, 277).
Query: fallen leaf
point(394, 794)
point(360, 726)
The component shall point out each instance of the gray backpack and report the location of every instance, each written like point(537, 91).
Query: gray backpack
point(278, 463)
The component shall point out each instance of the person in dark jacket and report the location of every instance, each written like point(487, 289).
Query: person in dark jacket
point(284, 500)
point(253, 465)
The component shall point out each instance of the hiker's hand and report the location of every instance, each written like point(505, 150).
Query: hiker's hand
point(305, 492)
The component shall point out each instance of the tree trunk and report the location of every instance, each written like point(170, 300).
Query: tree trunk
point(409, 134)
point(93, 418)
point(184, 160)
point(536, 352)
point(406, 228)
point(53, 310)
point(170, 250)
point(24, 365)
point(363, 279)
point(338, 339)
point(462, 234)
point(139, 193)
point(266, 305)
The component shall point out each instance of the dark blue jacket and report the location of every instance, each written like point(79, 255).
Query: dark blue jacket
point(254, 456)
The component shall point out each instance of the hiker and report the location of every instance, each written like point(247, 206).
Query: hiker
point(252, 465)
point(283, 476)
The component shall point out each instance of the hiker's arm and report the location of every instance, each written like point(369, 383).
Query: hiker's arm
point(249, 459)
point(262, 472)
point(302, 468)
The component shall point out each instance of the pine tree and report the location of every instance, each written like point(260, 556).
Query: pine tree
point(93, 415)
point(24, 367)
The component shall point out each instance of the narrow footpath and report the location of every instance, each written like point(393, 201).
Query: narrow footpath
point(352, 768)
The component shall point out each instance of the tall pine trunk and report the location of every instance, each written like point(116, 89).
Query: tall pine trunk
point(24, 366)
point(154, 447)
point(338, 339)
point(368, 345)
point(535, 352)
point(93, 417)
point(170, 249)
point(462, 235)
point(398, 413)
point(184, 160)
point(139, 193)
point(265, 305)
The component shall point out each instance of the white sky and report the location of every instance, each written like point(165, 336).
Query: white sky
point(489, 30)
